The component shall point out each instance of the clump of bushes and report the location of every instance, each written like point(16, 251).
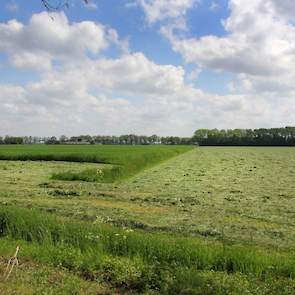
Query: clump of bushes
point(91, 175)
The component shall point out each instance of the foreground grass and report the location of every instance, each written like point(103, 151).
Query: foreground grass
point(137, 260)
point(32, 278)
point(240, 199)
point(125, 160)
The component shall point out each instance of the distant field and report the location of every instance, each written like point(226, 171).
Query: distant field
point(125, 160)
point(213, 220)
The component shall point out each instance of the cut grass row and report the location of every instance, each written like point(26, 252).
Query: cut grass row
point(125, 160)
point(135, 260)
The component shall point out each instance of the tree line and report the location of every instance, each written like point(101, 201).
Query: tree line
point(204, 137)
point(130, 139)
point(246, 137)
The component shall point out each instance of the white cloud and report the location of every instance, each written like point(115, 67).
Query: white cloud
point(30, 60)
point(128, 94)
point(143, 76)
point(172, 10)
point(260, 44)
point(113, 37)
point(94, 92)
point(214, 6)
point(194, 74)
point(284, 7)
point(121, 96)
point(45, 39)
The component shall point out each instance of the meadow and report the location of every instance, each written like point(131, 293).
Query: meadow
point(123, 161)
point(205, 220)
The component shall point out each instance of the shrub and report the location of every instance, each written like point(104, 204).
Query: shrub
point(125, 272)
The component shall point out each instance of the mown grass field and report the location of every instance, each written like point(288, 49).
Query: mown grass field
point(209, 221)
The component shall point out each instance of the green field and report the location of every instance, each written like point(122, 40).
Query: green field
point(124, 161)
point(175, 220)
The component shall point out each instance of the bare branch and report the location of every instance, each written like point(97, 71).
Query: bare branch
point(52, 5)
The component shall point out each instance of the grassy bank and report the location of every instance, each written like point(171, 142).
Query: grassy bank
point(33, 278)
point(135, 259)
point(39, 275)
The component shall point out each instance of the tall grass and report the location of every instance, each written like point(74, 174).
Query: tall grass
point(151, 249)
point(109, 174)
point(125, 160)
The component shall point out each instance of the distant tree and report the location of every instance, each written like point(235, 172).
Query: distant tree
point(154, 138)
point(186, 141)
point(86, 138)
point(63, 139)
point(237, 137)
point(200, 136)
point(26, 140)
point(13, 140)
point(52, 140)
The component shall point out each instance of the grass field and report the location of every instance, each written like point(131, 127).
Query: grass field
point(124, 161)
point(209, 221)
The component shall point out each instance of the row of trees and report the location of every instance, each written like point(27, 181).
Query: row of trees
point(231, 137)
point(141, 139)
point(248, 137)
point(125, 139)
point(98, 139)
point(11, 140)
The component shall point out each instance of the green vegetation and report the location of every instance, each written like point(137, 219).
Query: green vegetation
point(125, 160)
point(209, 221)
point(246, 137)
point(133, 259)
point(34, 278)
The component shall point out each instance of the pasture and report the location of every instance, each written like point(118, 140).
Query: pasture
point(124, 161)
point(174, 220)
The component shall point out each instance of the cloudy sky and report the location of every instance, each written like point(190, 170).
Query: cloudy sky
point(146, 66)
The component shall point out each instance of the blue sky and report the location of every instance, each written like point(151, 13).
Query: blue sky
point(181, 64)
point(130, 23)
